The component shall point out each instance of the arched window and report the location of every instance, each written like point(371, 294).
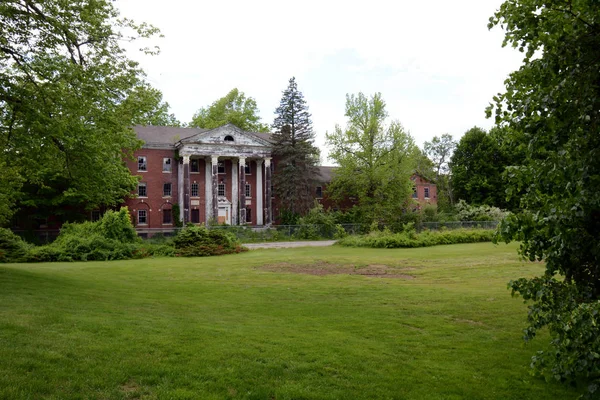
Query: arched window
point(229, 138)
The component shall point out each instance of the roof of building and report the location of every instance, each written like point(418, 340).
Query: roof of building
point(325, 173)
point(164, 134)
point(169, 135)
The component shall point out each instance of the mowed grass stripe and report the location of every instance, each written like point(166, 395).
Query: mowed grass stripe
point(224, 327)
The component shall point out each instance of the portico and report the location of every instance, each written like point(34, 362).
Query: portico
point(229, 163)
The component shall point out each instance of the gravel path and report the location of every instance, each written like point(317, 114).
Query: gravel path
point(281, 245)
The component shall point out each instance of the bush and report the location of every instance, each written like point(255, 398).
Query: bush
point(197, 241)
point(409, 238)
point(466, 212)
point(113, 237)
point(12, 247)
point(318, 224)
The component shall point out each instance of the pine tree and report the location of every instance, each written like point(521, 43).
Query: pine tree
point(297, 157)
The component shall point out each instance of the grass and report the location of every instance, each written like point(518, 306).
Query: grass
point(224, 327)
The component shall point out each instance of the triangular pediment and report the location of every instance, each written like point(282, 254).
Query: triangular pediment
point(227, 135)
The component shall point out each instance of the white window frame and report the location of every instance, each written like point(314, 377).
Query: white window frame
point(145, 212)
point(426, 192)
point(219, 191)
point(167, 165)
point(145, 186)
point(248, 191)
point(170, 189)
point(221, 167)
point(194, 188)
point(142, 164)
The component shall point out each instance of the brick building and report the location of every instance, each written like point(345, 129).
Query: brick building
point(425, 191)
point(222, 175)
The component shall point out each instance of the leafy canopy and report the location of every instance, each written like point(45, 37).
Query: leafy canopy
point(552, 104)
point(233, 108)
point(375, 159)
point(68, 97)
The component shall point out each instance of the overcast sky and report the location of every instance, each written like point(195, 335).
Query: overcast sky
point(435, 62)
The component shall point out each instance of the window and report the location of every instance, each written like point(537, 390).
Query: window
point(319, 192)
point(228, 138)
point(414, 195)
point(426, 192)
point(167, 216)
point(96, 215)
point(221, 167)
point(142, 217)
point(272, 191)
point(166, 164)
point(195, 216)
point(194, 166)
point(142, 189)
point(221, 189)
point(142, 163)
point(249, 215)
point(167, 189)
point(194, 189)
point(247, 168)
point(248, 190)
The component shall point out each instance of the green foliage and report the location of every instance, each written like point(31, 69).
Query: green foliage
point(111, 238)
point(12, 247)
point(234, 108)
point(144, 106)
point(440, 151)
point(118, 226)
point(318, 224)
point(65, 108)
point(197, 241)
point(552, 106)
point(177, 222)
point(466, 212)
point(375, 160)
point(409, 238)
point(478, 164)
point(293, 145)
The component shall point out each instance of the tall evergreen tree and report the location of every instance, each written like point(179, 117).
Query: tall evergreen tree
point(296, 168)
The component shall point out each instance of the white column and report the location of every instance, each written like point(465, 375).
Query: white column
point(180, 188)
point(234, 192)
point(259, 193)
point(207, 190)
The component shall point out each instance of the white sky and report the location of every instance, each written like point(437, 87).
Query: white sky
point(435, 62)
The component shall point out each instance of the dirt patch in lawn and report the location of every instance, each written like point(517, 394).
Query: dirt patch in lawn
point(324, 268)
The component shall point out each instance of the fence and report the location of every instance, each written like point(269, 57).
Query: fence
point(248, 234)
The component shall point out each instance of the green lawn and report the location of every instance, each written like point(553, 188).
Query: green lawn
point(225, 327)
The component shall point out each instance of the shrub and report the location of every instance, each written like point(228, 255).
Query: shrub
point(319, 224)
point(466, 212)
point(197, 241)
point(111, 238)
point(12, 247)
point(409, 238)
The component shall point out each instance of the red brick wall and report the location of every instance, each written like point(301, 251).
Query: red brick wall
point(154, 177)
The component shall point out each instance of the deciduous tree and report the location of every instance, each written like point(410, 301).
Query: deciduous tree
point(233, 108)
point(375, 159)
point(553, 103)
point(293, 138)
point(63, 80)
point(440, 151)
